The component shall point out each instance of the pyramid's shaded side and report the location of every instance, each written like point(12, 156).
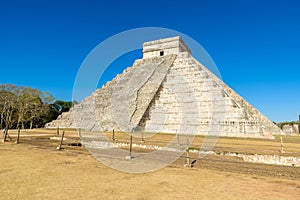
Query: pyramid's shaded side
point(168, 91)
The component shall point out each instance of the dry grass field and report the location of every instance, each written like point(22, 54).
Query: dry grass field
point(35, 169)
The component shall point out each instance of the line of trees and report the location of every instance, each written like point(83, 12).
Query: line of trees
point(27, 107)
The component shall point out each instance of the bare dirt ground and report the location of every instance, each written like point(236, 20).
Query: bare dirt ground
point(35, 169)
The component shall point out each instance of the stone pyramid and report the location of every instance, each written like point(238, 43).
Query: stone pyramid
point(168, 91)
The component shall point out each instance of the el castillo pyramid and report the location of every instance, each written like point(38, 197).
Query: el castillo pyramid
point(168, 91)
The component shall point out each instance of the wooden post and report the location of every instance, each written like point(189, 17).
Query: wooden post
point(79, 132)
point(18, 137)
point(57, 131)
point(61, 141)
point(188, 163)
point(143, 141)
point(130, 147)
point(113, 135)
point(130, 150)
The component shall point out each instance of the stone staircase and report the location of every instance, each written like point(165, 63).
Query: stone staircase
point(122, 105)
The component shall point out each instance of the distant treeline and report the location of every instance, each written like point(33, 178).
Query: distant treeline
point(27, 107)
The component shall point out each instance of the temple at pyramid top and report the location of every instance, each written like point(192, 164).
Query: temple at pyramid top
point(166, 46)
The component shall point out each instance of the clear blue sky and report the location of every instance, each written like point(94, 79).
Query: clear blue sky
point(255, 44)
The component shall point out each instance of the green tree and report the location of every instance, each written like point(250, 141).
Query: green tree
point(28, 107)
point(8, 105)
point(58, 107)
